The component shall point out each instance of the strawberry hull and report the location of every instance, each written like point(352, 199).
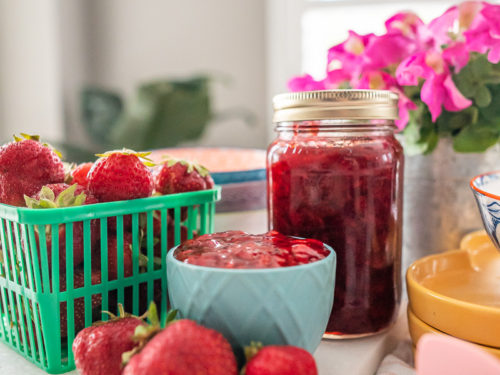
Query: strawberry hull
point(49, 301)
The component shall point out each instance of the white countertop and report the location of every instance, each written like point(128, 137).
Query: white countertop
point(334, 357)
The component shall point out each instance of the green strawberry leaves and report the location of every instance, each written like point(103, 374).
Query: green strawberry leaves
point(143, 156)
point(191, 166)
point(24, 136)
point(66, 198)
point(144, 333)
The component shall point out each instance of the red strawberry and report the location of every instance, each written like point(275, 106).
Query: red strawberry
point(98, 349)
point(179, 176)
point(184, 348)
point(79, 303)
point(280, 360)
point(63, 195)
point(25, 166)
point(112, 256)
point(170, 234)
point(80, 172)
point(120, 175)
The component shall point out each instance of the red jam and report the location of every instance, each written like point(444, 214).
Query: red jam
point(345, 191)
point(236, 249)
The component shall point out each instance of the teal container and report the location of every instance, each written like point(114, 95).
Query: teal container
point(276, 306)
point(44, 304)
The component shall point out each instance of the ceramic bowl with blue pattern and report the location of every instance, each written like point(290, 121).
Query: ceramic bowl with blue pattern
point(276, 306)
point(486, 189)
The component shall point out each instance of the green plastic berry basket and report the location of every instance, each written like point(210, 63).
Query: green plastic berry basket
point(43, 304)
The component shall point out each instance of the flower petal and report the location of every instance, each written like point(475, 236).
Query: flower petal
point(453, 99)
point(457, 55)
point(305, 83)
point(433, 94)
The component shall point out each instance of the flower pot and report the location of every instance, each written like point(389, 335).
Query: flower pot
point(439, 207)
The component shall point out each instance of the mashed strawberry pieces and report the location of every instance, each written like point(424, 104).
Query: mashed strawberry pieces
point(236, 249)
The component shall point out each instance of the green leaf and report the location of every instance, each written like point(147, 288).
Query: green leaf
point(475, 138)
point(164, 113)
point(80, 199)
point(420, 135)
point(482, 97)
point(450, 123)
point(101, 111)
point(172, 314)
point(480, 66)
point(44, 203)
point(465, 83)
point(153, 314)
point(492, 112)
point(47, 193)
point(66, 197)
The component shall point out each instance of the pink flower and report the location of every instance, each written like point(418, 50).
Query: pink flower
point(456, 55)
point(484, 33)
point(406, 23)
point(305, 83)
point(378, 80)
point(454, 21)
point(349, 55)
point(438, 89)
point(385, 50)
point(411, 26)
point(361, 53)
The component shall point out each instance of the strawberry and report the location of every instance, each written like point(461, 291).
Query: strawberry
point(25, 166)
point(63, 195)
point(79, 303)
point(112, 256)
point(120, 175)
point(279, 360)
point(170, 234)
point(80, 172)
point(98, 349)
point(179, 176)
point(184, 348)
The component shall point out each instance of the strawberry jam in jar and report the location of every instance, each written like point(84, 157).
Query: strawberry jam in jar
point(335, 174)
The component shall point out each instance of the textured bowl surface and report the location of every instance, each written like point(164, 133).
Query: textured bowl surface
point(458, 292)
point(283, 306)
point(418, 328)
point(486, 189)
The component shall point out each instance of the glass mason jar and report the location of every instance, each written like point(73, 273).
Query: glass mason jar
point(335, 173)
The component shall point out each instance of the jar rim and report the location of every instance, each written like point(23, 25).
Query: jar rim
point(336, 104)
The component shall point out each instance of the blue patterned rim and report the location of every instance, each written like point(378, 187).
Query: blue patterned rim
point(222, 178)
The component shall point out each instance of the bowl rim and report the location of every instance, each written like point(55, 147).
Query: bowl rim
point(481, 191)
point(414, 320)
point(412, 282)
point(171, 258)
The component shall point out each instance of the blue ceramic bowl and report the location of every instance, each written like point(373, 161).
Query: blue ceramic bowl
point(486, 189)
point(280, 306)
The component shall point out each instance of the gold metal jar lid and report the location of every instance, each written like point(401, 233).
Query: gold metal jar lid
point(336, 104)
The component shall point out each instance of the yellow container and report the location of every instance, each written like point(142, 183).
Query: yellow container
point(418, 328)
point(458, 292)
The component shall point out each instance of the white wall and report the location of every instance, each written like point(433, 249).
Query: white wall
point(125, 42)
point(50, 48)
point(29, 69)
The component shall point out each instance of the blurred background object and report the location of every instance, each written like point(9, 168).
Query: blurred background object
point(87, 74)
point(64, 58)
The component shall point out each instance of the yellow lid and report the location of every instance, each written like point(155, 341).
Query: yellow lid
point(336, 104)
